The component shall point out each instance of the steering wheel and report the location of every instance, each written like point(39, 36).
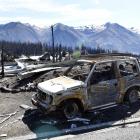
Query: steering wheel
point(78, 77)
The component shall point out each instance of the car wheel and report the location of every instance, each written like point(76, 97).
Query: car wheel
point(71, 110)
point(132, 96)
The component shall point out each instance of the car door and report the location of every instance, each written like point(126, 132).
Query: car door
point(129, 74)
point(102, 85)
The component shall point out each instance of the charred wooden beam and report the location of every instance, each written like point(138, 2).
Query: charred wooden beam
point(2, 62)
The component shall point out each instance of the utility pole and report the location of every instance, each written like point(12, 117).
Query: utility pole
point(2, 61)
point(60, 55)
point(53, 44)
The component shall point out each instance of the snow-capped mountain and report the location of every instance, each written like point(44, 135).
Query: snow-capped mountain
point(16, 31)
point(109, 36)
point(116, 37)
point(90, 29)
point(135, 30)
point(64, 35)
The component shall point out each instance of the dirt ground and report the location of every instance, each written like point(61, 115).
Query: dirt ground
point(16, 121)
point(10, 103)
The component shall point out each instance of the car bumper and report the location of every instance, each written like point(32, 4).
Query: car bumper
point(42, 105)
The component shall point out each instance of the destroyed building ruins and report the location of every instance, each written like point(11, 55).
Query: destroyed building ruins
point(69, 88)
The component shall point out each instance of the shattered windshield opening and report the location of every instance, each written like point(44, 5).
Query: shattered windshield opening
point(79, 71)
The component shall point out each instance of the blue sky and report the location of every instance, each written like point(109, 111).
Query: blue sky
point(71, 12)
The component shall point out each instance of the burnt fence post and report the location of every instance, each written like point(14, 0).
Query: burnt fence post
point(2, 61)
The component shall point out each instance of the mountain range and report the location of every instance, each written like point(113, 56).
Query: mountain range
point(110, 36)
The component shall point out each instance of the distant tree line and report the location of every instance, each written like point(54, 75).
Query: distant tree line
point(16, 49)
point(96, 50)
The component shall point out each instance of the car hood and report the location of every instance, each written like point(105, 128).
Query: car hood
point(59, 84)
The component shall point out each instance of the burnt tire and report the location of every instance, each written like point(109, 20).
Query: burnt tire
point(71, 110)
point(132, 96)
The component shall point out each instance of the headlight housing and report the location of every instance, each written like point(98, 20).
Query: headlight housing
point(42, 96)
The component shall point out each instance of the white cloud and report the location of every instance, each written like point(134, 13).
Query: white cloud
point(97, 2)
point(35, 5)
point(70, 14)
point(89, 16)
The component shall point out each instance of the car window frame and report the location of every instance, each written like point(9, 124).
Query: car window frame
point(87, 82)
point(137, 67)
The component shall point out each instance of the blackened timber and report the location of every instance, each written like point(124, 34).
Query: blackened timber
point(53, 44)
point(2, 62)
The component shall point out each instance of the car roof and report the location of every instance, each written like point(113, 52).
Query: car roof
point(105, 59)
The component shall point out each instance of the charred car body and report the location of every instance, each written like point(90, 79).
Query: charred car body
point(90, 83)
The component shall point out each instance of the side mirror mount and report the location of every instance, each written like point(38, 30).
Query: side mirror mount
point(85, 85)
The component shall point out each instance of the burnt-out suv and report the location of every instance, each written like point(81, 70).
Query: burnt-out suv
point(90, 83)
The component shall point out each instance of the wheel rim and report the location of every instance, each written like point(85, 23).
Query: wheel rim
point(133, 96)
point(71, 111)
